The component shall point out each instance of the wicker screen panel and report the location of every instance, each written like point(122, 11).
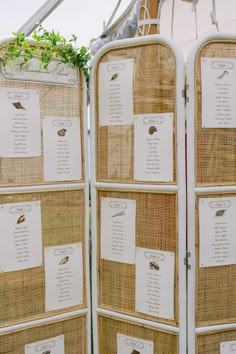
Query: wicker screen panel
point(22, 293)
point(214, 147)
point(108, 329)
point(74, 331)
point(210, 343)
point(154, 91)
point(55, 101)
point(156, 228)
point(215, 286)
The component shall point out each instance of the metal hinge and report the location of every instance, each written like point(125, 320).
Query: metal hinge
point(186, 260)
point(185, 93)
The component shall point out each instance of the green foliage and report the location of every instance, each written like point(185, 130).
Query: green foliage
point(51, 45)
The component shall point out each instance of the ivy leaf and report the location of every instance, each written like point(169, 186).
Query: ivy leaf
point(52, 45)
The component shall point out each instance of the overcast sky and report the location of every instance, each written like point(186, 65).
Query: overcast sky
point(85, 18)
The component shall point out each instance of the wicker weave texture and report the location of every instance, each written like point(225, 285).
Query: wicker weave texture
point(156, 228)
point(215, 148)
point(55, 101)
point(215, 287)
point(154, 92)
point(210, 343)
point(22, 293)
point(109, 327)
point(74, 331)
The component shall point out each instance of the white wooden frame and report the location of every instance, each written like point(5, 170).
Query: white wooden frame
point(180, 189)
point(57, 187)
point(192, 190)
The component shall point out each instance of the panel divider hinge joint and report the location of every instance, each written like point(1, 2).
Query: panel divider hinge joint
point(186, 260)
point(185, 93)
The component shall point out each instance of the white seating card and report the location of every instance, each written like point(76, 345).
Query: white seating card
point(21, 236)
point(20, 133)
point(62, 149)
point(118, 229)
point(217, 231)
point(155, 282)
point(153, 147)
point(63, 276)
point(228, 347)
point(218, 77)
point(131, 345)
point(116, 92)
point(49, 346)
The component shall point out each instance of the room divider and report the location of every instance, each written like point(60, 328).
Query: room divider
point(211, 122)
point(44, 253)
point(138, 197)
point(162, 269)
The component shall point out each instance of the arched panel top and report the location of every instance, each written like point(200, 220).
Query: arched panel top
point(59, 93)
point(155, 68)
point(211, 110)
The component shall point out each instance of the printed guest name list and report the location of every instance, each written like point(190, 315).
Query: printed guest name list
point(62, 149)
point(155, 282)
point(63, 276)
point(153, 147)
point(217, 231)
point(218, 77)
point(21, 236)
point(20, 133)
point(116, 92)
point(118, 229)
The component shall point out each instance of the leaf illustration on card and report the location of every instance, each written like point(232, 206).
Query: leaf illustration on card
point(62, 132)
point(121, 213)
point(154, 265)
point(18, 105)
point(220, 212)
point(152, 130)
point(47, 352)
point(135, 352)
point(223, 74)
point(114, 77)
point(64, 260)
point(21, 219)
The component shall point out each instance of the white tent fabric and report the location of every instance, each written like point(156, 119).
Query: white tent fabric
point(184, 20)
point(85, 18)
point(124, 27)
point(192, 18)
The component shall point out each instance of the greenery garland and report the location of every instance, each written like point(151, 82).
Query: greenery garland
point(52, 45)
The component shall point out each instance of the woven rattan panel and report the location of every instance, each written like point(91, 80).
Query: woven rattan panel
point(22, 293)
point(74, 331)
point(55, 101)
point(215, 287)
point(108, 328)
point(210, 343)
point(154, 92)
point(215, 148)
point(156, 228)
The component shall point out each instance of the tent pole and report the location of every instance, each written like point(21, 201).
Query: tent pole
point(39, 16)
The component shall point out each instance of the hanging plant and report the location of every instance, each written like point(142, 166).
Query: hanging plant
point(51, 45)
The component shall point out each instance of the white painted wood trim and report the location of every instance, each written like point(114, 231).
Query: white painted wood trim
point(180, 188)
point(43, 321)
point(192, 190)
